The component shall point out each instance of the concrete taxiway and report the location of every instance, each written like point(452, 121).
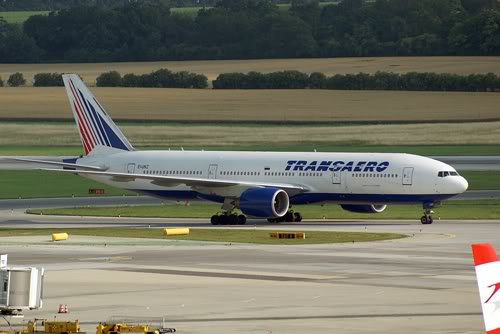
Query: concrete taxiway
point(68, 202)
point(422, 284)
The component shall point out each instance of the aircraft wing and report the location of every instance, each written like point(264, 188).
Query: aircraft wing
point(169, 181)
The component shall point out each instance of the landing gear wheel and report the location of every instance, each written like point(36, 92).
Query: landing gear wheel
point(233, 220)
point(223, 220)
point(289, 217)
point(426, 220)
point(215, 220)
point(297, 217)
point(242, 219)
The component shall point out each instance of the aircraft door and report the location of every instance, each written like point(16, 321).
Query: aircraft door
point(407, 176)
point(131, 168)
point(212, 171)
point(336, 177)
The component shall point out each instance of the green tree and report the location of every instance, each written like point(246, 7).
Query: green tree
point(286, 36)
point(309, 11)
point(48, 80)
point(16, 80)
point(109, 79)
point(317, 80)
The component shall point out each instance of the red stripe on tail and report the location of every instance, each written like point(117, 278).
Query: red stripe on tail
point(85, 144)
point(87, 139)
point(86, 126)
point(483, 253)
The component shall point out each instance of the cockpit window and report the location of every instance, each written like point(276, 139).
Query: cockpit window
point(447, 173)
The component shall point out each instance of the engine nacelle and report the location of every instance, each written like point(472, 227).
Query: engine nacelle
point(264, 202)
point(373, 208)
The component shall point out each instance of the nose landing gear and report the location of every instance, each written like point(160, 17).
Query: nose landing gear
point(427, 217)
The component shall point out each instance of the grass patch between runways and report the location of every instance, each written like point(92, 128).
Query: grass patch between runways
point(455, 209)
point(252, 236)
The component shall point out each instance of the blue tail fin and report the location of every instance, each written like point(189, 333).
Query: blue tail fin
point(95, 126)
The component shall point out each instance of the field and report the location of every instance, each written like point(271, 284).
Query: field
point(218, 235)
point(264, 137)
point(207, 105)
point(21, 16)
point(456, 209)
point(329, 66)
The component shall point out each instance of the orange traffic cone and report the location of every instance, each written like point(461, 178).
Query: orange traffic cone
point(63, 308)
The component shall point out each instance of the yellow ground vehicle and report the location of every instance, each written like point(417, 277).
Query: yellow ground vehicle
point(51, 327)
point(119, 328)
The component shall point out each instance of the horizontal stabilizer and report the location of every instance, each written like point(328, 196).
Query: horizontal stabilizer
point(62, 164)
point(18, 163)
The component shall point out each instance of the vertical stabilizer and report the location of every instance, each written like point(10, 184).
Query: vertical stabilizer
point(95, 126)
point(488, 280)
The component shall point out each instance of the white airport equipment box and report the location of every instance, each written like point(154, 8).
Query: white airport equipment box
point(21, 288)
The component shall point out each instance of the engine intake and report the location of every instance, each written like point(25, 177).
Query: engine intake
point(373, 208)
point(264, 202)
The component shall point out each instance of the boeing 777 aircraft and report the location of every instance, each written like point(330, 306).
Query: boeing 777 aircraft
point(260, 184)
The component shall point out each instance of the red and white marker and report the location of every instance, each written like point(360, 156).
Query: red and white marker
point(488, 280)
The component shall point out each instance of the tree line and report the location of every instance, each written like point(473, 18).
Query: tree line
point(411, 81)
point(243, 29)
point(164, 78)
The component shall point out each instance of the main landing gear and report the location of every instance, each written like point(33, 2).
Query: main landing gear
point(228, 219)
point(289, 217)
point(228, 216)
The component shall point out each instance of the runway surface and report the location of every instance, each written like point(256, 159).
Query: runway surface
point(422, 284)
point(475, 163)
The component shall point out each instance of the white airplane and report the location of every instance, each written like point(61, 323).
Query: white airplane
point(260, 184)
point(487, 266)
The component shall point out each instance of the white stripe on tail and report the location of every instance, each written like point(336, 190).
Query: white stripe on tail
point(488, 280)
point(95, 126)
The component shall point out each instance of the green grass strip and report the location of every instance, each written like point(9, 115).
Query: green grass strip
point(39, 184)
point(253, 236)
point(20, 16)
point(485, 209)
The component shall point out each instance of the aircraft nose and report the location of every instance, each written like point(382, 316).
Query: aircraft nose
point(461, 184)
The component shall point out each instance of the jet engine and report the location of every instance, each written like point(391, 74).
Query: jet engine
point(264, 202)
point(372, 208)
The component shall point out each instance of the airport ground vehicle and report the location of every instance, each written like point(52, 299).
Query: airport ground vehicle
point(123, 328)
point(43, 326)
